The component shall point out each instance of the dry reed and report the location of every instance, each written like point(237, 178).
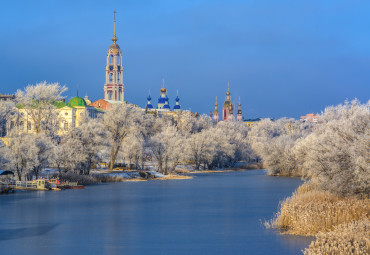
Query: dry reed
point(309, 211)
point(352, 238)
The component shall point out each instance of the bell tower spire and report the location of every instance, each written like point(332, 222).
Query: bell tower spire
point(114, 87)
point(114, 38)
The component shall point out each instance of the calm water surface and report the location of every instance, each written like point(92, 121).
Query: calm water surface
point(217, 213)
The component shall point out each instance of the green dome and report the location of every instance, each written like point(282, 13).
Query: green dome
point(76, 101)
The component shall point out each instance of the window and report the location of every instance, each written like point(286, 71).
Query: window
point(110, 59)
point(118, 77)
point(110, 77)
point(66, 113)
point(117, 58)
point(66, 125)
point(110, 95)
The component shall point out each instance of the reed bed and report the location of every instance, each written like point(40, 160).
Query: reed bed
point(310, 211)
point(352, 238)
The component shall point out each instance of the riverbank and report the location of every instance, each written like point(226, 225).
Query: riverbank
point(328, 217)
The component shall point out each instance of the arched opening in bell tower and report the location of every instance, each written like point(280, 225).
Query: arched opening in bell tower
point(117, 58)
point(110, 59)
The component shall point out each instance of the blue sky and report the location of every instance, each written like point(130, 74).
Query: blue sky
point(283, 58)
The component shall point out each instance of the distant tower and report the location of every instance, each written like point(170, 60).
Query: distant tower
point(239, 114)
point(113, 87)
point(228, 108)
point(149, 105)
point(177, 107)
point(215, 113)
point(163, 99)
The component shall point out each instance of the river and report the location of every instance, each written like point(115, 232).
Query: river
point(216, 213)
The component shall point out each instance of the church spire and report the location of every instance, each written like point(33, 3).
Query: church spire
point(228, 108)
point(114, 38)
point(228, 92)
point(239, 113)
point(177, 106)
point(215, 113)
point(149, 105)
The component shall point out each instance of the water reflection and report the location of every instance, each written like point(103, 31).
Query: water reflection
point(17, 233)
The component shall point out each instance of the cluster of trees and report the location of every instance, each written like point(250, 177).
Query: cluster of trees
point(333, 154)
point(123, 134)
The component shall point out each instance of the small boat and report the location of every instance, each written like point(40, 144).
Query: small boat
point(53, 184)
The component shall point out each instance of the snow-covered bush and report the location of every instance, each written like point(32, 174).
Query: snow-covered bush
point(336, 154)
point(274, 142)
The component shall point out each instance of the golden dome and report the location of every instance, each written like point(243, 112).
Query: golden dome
point(115, 48)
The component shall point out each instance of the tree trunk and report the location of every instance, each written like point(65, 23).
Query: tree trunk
point(19, 175)
point(160, 166)
point(113, 157)
point(166, 167)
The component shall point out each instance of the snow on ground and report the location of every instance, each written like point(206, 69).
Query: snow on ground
point(124, 175)
point(156, 174)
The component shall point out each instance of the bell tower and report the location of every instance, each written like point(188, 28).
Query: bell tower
point(113, 88)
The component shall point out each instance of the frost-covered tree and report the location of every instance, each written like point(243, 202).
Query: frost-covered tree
point(191, 124)
point(65, 155)
point(166, 148)
point(3, 150)
point(273, 141)
point(119, 122)
point(21, 155)
point(38, 103)
point(86, 142)
point(43, 152)
point(233, 142)
point(200, 147)
point(336, 154)
point(134, 147)
point(7, 113)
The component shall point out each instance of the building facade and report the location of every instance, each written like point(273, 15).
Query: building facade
point(163, 106)
point(310, 118)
